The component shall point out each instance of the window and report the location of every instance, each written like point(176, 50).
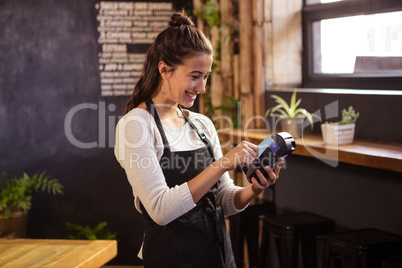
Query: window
point(352, 44)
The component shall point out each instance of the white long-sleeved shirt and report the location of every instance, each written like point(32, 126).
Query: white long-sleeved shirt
point(139, 147)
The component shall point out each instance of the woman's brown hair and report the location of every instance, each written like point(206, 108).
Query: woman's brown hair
point(180, 41)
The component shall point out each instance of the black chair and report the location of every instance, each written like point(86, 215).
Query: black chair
point(364, 248)
point(290, 229)
point(246, 225)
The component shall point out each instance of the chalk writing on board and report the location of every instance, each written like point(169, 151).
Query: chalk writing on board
point(125, 29)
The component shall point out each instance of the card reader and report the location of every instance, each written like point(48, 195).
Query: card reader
point(272, 149)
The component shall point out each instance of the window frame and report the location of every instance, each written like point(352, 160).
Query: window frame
point(316, 12)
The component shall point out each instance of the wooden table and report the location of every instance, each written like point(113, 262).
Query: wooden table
point(56, 253)
point(383, 155)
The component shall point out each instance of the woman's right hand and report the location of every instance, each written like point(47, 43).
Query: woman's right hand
point(243, 154)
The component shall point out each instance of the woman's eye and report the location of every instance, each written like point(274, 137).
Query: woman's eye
point(195, 77)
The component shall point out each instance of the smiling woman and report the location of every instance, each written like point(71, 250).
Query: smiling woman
point(173, 158)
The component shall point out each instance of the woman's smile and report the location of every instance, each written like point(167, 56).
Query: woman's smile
point(191, 96)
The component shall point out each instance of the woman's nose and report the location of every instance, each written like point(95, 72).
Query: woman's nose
point(201, 86)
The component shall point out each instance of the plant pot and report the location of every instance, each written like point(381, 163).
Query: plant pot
point(15, 226)
point(293, 126)
point(335, 134)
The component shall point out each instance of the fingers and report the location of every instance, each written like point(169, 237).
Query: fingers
point(271, 175)
point(259, 187)
point(249, 152)
point(252, 149)
point(278, 166)
point(243, 154)
point(274, 174)
point(263, 181)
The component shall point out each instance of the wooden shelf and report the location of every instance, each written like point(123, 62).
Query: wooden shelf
point(364, 153)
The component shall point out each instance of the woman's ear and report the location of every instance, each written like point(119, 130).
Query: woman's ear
point(163, 68)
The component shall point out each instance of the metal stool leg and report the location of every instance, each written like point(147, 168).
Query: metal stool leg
point(309, 254)
point(289, 250)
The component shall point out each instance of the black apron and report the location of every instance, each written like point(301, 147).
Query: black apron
point(198, 238)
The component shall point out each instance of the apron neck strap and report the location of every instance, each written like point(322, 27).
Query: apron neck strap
point(200, 134)
point(203, 137)
point(151, 107)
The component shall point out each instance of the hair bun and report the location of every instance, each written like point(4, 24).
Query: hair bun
point(180, 18)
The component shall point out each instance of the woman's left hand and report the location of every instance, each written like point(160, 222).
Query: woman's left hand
point(257, 187)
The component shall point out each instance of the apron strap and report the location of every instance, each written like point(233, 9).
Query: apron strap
point(203, 137)
point(200, 134)
point(154, 113)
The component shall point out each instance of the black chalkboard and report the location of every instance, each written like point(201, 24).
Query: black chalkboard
point(49, 79)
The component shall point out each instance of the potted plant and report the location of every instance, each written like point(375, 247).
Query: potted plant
point(15, 200)
point(342, 132)
point(99, 232)
point(291, 116)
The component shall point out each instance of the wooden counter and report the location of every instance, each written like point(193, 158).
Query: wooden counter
point(56, 253)
point(364, 153)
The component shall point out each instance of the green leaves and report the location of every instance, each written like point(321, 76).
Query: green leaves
point(211, 13)
point(16, 193)
point(349, 116)
point(88, 233)
point(44, 183)
point(285, 110)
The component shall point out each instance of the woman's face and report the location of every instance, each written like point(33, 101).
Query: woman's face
point(188, 80)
